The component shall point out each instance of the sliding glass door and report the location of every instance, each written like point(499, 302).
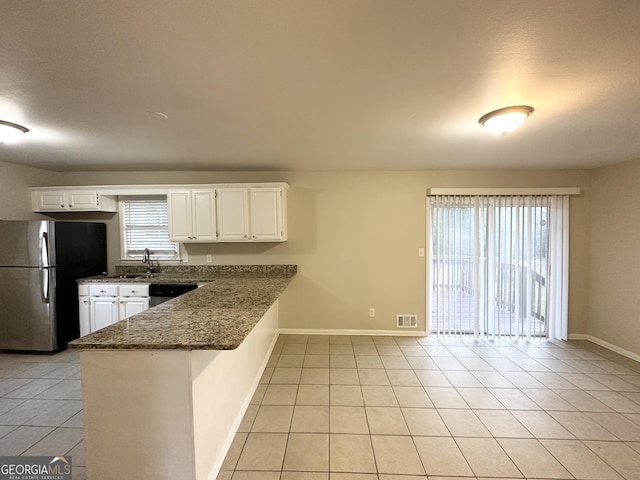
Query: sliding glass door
point(490, 269)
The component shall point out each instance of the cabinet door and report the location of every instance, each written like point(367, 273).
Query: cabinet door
point(84, 315)
point(233, 214)
point(104, 312)
point(266, 214)
point(132, 306)
point(83, 201)
point(204, 215)
point(180, 216)
point(52, 201)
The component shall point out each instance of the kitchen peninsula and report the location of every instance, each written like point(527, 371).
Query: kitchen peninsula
point(165, 390)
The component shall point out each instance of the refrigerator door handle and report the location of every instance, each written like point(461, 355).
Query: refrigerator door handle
point(45, 284)
point(44, 250)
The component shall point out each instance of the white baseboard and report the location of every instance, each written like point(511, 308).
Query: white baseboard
point(320, 331)
point(579, 336)
point(605, 344)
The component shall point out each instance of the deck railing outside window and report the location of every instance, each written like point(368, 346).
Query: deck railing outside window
point(490, 268)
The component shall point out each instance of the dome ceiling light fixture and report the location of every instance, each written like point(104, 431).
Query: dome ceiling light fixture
point(505, 120)
point(11, 132)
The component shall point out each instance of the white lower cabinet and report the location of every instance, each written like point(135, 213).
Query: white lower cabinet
point(102, 304)
point(104, 312)
point(84, 314)
point(133, 298)
point(132, 305)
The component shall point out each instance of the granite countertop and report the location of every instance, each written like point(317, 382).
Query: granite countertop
point(192, 274)
point(217, 316)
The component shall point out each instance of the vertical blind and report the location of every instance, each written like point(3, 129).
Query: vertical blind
point(499, 265)
point(146, 225)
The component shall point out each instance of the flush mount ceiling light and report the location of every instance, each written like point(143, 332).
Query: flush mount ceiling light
point(505, 120)
point(11, 132)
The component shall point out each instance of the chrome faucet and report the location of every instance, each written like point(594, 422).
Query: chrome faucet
point(146, 258)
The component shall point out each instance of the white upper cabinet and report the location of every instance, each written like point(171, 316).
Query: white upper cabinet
point(192, 216)
point(233, 214)
point(252, 214)
point(268, 214)
point(204, 215)
point(72, 201)
point(50, 201)
point(180, 217)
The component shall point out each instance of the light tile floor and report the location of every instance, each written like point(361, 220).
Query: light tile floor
point(386, 408)
point(41, 406)
point(398, 408)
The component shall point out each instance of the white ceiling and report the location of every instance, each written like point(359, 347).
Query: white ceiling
point(318, 84)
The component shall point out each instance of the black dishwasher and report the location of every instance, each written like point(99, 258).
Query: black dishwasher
point(161, 292)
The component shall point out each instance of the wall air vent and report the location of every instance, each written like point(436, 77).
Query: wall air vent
point(407, 321)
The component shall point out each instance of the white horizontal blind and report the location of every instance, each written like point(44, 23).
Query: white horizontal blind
point(498, 265)
point(146, 225)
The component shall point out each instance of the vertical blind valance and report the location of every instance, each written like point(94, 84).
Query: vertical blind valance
point(498, 265)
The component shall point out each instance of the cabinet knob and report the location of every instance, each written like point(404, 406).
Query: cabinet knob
point(61, 206)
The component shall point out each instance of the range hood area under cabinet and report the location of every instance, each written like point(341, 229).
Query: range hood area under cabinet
point(248, 212)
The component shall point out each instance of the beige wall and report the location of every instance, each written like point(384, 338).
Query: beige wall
point(614, 293)
point(15, 200)
point(355, 236)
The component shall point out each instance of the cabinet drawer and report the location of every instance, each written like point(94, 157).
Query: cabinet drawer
point(103, 290)
point(83, 289)
point(133, 290)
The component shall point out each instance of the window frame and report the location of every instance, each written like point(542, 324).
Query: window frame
point(124, 251)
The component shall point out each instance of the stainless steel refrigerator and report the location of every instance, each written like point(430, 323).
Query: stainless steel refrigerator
point(40, 262)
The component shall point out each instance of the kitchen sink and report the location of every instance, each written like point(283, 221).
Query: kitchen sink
point(125, 276)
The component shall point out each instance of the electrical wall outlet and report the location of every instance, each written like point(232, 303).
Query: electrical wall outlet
point(421, 252)
point(372, 312)
point(209, 259)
